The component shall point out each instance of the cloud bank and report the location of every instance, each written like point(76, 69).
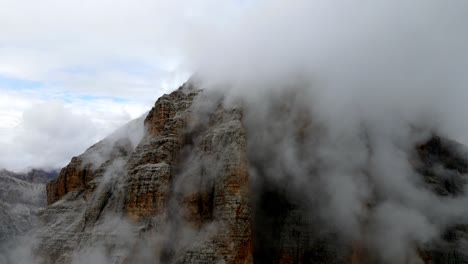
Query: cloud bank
point(104, 61)
point(39, 133)
point(365, 81)
point(399, 59)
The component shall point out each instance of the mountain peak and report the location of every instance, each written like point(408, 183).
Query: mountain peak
point(209, 182)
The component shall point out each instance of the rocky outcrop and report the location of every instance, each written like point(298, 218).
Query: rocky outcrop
point(187, 191)
point(184, 183)
point(81, 170)
point(75, 176)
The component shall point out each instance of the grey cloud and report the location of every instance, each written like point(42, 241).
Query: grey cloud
point(377, 77)
point(48, 137)
point(336, 94)
point(51, 133)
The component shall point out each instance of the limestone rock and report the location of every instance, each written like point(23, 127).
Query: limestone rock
point(166, 187)
point(185, 192)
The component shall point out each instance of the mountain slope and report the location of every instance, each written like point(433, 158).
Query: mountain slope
point(203, 186)
point(22, 196)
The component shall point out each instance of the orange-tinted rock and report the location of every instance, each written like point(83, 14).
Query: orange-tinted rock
point(75, 176)
point(185, 194)
point(148, 191)
point(81, 170)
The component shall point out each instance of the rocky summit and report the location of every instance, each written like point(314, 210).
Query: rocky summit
point(195, 187)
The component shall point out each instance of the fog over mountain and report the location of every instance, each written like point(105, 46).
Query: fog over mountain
point(309, 132)
point(389, 59)
point(22, 197)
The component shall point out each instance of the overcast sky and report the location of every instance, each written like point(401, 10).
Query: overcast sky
point(73, 71)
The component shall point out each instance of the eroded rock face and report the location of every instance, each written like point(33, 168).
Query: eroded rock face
point(189, 192)
point(184, 184)
point(74, 176)
point(81, 170)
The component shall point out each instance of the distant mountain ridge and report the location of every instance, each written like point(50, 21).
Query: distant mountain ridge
point(33, 175)
point(22, 196)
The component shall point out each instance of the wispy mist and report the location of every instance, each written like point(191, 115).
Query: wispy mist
point(365, 81)
point(335, 96)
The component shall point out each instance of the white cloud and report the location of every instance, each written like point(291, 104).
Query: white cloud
point(97, 64)
point(38, 132)
point(139, 50)
point(127, 46)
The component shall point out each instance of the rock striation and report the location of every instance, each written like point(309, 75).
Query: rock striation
point(185, 183)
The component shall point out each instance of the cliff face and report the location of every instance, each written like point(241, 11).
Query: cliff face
point(185, 184)
point(185, 193)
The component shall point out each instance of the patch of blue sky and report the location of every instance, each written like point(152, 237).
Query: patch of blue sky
point(11, 83)
point(77, 97)
point(246, 3)
point(99, 98)
point(73, 97)
point(128, 66)
point(45, 92)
